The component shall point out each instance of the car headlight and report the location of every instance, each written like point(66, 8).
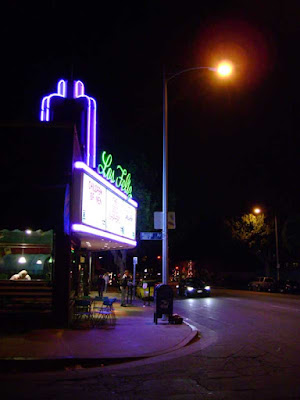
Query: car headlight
point(190, 288)
point(207, 287)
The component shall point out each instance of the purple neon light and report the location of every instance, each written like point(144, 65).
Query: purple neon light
point(81, 165)
point(99, 232)
point(78, 92)
point(61, 87)
point(61, 92)
point(78, 89)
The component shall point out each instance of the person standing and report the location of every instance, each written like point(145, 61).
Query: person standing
point(106, 278)
point(123, 287)
point(129, 289)
point(101, 285)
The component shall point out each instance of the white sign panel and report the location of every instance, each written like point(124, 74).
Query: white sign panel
point(93, 203)
point(103, 209)
point(158, 220)
point(120, 216)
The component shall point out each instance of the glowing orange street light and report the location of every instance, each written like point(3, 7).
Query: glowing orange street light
point(257, 210)
point(224, 69)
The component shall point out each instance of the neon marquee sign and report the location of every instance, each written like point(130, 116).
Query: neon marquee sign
point(120, 178)
point(76, 92)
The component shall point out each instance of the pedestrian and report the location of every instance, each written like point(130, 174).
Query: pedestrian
point(101, 285)
point(123, 287)
point(21, 276)
point(106, 278)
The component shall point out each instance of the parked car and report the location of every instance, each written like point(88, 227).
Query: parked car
point(263, 284)
point(288, 286)
point(193, 287)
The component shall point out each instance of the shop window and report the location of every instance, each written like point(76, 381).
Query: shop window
point(27, 250)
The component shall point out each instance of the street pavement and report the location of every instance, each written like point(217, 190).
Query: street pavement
point(134, 336)
point(248, 350)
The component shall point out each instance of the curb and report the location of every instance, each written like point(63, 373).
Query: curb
point(22, 364)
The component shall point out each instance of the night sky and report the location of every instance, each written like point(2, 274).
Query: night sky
point(232, 145)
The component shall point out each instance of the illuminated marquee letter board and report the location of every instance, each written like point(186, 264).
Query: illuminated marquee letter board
point(103, 209)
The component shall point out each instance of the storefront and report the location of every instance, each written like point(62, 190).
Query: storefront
point(103, 218)
point(60, 205)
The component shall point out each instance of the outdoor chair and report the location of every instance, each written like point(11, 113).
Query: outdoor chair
point(104, 315)
point(82, 312)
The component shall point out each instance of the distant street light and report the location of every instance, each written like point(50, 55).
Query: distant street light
point(258, 211)
point(224, 69)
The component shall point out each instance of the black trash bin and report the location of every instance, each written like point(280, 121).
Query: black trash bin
point(163, 296)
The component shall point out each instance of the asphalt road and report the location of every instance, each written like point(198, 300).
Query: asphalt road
point(249, 349)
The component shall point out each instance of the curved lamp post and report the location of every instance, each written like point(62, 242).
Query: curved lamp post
point(223, 70)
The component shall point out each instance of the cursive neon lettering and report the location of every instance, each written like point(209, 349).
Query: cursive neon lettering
point(122, 181)
point(105, 169)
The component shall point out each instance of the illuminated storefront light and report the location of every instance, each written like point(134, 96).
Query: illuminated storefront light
point(99, 232)
point(84, 167)
point(121, 178)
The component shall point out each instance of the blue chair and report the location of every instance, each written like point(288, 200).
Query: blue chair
point(82, 312)
point(105, 314)
point(107, 302)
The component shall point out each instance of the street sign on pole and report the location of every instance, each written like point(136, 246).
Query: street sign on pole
point(151, 236)
point(158, 220)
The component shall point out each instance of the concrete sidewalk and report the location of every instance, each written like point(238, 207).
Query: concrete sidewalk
point(134, 336)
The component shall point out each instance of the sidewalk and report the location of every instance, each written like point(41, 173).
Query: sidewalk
point(134, 336)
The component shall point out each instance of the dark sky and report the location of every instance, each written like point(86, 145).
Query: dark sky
point(231, 145)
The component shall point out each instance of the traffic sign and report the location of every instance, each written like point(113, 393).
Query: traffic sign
point(158, 220)
point(151, 235)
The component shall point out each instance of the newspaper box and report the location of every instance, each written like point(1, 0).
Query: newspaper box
point(163, 301)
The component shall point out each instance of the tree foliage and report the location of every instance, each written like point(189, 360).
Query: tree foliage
point(291, 236)
point(144, 180)
point(254, 231)
point(250, 229)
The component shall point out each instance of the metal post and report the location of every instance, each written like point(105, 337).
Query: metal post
point(165, 184)
point(135, 261)
point(277, 251)
point(165, 249)
point(90, 270)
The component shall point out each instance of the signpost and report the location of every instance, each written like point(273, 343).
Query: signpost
point(135, 261)
point(151, 236)
point(158, 220)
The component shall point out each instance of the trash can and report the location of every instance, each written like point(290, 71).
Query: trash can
point(163, 296)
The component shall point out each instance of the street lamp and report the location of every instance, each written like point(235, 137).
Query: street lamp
point(224, 69)
point(258, 211)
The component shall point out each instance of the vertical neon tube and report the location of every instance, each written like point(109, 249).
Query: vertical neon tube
point(78, 92)
point(61, 92)
point(94, 132)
